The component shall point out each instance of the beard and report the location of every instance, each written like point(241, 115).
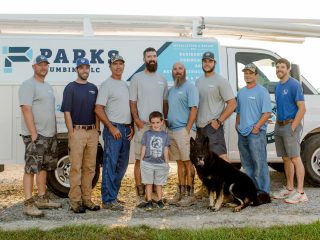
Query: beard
point(83, 77)
point(179, 79)
point(208, 71)
point(152, 66)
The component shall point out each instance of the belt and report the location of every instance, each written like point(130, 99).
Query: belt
point(284, 122)
point(85, 127)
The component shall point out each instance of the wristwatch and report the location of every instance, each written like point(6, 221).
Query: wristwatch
point(219, 122)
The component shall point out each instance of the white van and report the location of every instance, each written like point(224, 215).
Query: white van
point(17, 53)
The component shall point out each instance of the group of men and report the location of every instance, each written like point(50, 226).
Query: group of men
point(124, 112)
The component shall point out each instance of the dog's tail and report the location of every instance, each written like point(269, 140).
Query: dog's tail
point(262, 198)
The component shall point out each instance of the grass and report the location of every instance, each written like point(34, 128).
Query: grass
point(96, 232)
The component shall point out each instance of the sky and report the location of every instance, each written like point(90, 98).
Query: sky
point(306, 54)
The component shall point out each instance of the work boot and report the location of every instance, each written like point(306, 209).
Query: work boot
point(30, 209)
point(43, 202)
point(177, 196)
point(77, 207)
point(91, 206)
point(141, 203)
point(188, 199)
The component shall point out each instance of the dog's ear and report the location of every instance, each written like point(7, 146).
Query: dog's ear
point(192, 141)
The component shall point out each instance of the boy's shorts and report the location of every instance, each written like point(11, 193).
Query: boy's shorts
point(154, 173)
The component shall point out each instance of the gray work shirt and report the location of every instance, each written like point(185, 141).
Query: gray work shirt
point(214, 91)
point(149, 90)
point(114, 95)
point(39, 96)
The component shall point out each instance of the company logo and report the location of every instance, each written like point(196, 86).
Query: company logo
point(15, 54)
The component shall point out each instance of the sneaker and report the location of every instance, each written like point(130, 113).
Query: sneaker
point(114, 206)
point(30, 209)
point(44, 202)
point(283, 193)
point(149, 206)
point(296, 198)
point(161, 205)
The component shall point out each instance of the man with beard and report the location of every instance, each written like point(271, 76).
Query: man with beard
point(148, 93)
point(79, 98)
point(39, 130)
point(287, 132)
point(217, 103)
point(183, 100)
point(113, 110)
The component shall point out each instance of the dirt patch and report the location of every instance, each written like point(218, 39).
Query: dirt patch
point(197, 216)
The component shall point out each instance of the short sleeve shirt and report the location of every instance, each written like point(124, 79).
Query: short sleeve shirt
point(252, 103)
point(214, 91)
point(287, 95)
point(155, 143)
point(40, 97)
point(180, 101)
point(79, 100)
point(149, 90)
point(114, 96)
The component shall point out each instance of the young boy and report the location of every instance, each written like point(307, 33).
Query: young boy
point(154, 159)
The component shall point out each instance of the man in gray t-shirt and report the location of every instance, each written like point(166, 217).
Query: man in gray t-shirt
point(113, 110)
point(148, 92)
point(38, 123)
point(217, 103)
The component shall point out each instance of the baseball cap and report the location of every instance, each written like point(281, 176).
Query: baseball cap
point(82, 61)
point(208, 55)
point(251, 67)
point(115, 58)
point(39, 59)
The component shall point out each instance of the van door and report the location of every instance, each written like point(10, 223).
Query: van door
point(265, 62)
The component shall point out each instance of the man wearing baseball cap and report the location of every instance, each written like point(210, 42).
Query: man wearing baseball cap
point(37, 104)
point(78, 104)
point(113, 110)
point(253, 111)
point(217, 103)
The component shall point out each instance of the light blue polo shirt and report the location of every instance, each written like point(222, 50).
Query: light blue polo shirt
point(252, 103)
point(180, 101)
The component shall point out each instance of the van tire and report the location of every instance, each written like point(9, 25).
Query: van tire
point(311, 159)
point(279, 167)
point(58, 180)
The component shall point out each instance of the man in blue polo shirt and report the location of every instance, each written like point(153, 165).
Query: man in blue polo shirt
point(253, 111)
point(183, 100)
point(79, 98)
point(290, 112)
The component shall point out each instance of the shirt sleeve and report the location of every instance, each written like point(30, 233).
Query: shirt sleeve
point(193, 96)
point(238, 103)
point(26, 94)
point(102, 98)
point(66, 105)
point(167, 142)
point(144, 139)
point(133, 89)
point(298, 94)
point(266, 106)
point(226, 91)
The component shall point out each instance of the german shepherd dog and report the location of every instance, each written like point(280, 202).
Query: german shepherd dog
point(221, 178)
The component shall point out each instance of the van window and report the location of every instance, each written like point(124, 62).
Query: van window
point(266, 69)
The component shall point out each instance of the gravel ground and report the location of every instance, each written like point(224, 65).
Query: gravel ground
point(197, 216)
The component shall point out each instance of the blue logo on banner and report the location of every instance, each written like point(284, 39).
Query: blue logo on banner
point(15, 54)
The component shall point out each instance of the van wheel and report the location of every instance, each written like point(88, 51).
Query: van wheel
point(311, 159)
point(58, 180)
point(279, 167)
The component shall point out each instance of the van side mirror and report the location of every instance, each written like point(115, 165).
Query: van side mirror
point(295, 72)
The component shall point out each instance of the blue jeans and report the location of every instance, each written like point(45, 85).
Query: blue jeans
point(115, 162)
point(253, 155)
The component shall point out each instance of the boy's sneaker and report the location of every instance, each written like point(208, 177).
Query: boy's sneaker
point(149, 206)
point(161, 205)
point(283, 193)
point(296, 198)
